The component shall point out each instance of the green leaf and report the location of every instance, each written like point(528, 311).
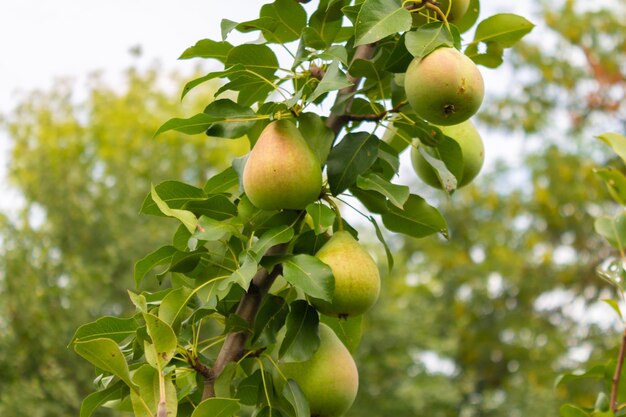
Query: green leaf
point(249, 389)
point(302, 338)
point(206, 48)
point(105, 354)
point(416, 218)
point(427, 38)
point(217, 407)
point(446, 159)
point(115, 391)
point(273, 237)
point(139, 301)
point(334, 79)
point(325, 22)
point(258, 59)
point(216, 206)
point(322, 216)
point(615, 182)
point(615, 141)
point(311, 275)
point(400, 57)
point(164, 342)
point(173, 305)
point(185, 217)
point(397, 194)
point(198, 123)
point(350, 158)
point(318, 136)
point(114, 328)
point(234, 120)
point(146, 401)
point(175, 194)
point(380, 18)
point(290, 17)
point(211, 229)
point(349, 330)
point(223, 182)
point(570, 410)
point(497, 32)
point(244, 274)
point(372, 200)
point(232, 71)
point(160, 256)
point(612, 229)
point(381, 239)
point(505, 28)
point(597, 372)
point(270, 319)
point(294, 395)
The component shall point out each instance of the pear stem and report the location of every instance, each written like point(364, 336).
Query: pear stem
point(335, 208)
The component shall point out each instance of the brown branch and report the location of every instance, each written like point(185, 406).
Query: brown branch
point(233, 347)
point(373, 117)
point(618, 373)
point(337, 121)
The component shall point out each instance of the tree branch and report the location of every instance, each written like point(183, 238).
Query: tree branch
point(336, 121)
point(618, 373)
point(233, 347)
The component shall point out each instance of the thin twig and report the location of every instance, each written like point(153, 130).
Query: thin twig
point(618, 373)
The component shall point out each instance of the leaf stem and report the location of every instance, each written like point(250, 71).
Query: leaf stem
point(618, 373)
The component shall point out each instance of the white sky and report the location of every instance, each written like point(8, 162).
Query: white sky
point(41, 40)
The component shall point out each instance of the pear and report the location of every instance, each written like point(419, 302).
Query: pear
point(445, 87)
point(468, 138)
point(357, 280)
point(329, 380)
point(282, 172)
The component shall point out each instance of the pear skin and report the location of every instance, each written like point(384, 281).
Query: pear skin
point(357, 280)
point(468, 138)
point(445, 87)
point(330, 379)
point(282, 172)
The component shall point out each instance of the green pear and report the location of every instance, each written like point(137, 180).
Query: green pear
point(357, 280)
point(445, 87)
point(282, 172)
point(468, 138)
point(454, 12)
point(329, 380)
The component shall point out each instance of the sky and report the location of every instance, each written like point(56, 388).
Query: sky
point(46, 40)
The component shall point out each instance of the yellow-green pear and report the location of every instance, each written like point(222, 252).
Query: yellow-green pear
point(357, 280)
point(329, 380)
point(282, 172)
point(445, 87)
point(472, 148)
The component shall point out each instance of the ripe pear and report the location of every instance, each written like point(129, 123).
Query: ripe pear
point(445, 87)
point(357, 280)
point(453, 9)
point(330, 379)
point(282, 172)
point(468, 138)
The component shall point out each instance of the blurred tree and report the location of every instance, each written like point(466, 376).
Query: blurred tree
point(570, 75)
point(83, 169)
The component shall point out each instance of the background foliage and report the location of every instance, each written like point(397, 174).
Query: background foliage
point(488, 339)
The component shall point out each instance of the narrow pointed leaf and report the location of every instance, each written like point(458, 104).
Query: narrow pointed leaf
point(185, 217)
point(114, 328)
point(302, 337)
point(160, 256)
point(311, 275)
point(105, 354)
point(417, 218)
point(378, 19)
point(164, 342)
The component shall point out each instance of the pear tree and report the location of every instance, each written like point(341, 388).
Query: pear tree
point(258, 300)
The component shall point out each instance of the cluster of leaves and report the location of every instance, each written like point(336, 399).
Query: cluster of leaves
point(226, 253)
point(608, 377)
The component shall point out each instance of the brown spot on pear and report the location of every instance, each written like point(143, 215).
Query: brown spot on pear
point(472, 148)
point(330, 379)
point(357, 280)
point(282, 172)
point(445, 87)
